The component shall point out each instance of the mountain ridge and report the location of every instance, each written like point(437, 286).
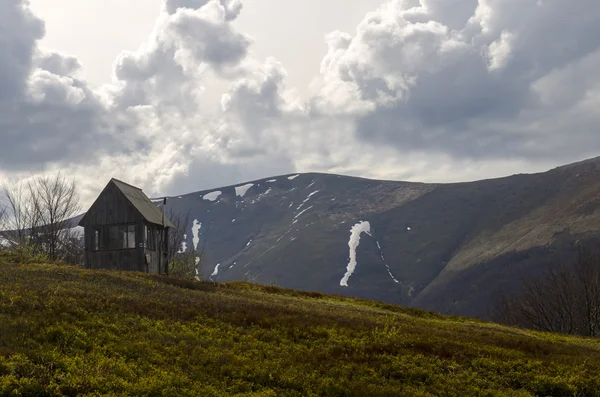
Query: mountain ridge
point(447, 247)
point(591, 160)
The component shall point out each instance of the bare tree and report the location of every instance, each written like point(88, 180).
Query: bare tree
point(587, 274)
point(18, 217)
point(55, 203)
point(39, 218)
point(177, 235)
point(565, 300)
point(3, 221)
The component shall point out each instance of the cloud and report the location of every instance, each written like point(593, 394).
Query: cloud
point(47, 114)
point(186, 44)
point(20, 31)
point(463, 83)
point(423, 90)
point(231, 8)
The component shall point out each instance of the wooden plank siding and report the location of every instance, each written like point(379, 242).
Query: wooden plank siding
point(112, 207)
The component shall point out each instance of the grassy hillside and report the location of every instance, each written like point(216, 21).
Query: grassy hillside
point(66, 331)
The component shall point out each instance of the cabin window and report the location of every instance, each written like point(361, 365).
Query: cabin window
point(130, 236)
point(126, 236)
point(114, 237)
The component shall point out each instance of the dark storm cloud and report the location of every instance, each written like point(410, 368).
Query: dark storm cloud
point(19, 30)
point(45, 115)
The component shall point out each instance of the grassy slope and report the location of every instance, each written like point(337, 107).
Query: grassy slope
point(75, 332)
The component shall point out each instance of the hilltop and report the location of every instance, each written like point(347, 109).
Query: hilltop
point(442, 247)
point(68, 331)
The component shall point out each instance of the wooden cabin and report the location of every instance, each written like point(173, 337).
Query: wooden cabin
point(124, 230)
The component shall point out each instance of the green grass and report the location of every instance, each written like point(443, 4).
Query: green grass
point(67, 331)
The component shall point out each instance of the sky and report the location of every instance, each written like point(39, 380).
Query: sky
point(176, 96)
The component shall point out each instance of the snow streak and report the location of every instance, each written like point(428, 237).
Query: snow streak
point(300, 214)
point(214, 273)
point(355, 232)
point(306, 199)
point(386, 265)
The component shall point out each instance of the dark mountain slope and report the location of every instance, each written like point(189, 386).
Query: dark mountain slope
point(445, 247)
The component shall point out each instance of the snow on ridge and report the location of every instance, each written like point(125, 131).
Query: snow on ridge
point(355, 232)
point(212, 196)
point(195, 229)
point(291, 178)
point(241, 190)
point(272, 180)
point(216, 271)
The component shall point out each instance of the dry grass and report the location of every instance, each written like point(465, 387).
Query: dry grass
point(66, 331)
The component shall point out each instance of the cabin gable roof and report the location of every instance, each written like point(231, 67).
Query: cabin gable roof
point(136, 197)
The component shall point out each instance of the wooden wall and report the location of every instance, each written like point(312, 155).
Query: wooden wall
point(114, 260)
point(112, 207)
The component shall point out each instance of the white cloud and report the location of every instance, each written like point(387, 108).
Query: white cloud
point(446, 89)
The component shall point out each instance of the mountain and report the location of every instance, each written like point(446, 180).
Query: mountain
point(66, 331)
point(443, 247)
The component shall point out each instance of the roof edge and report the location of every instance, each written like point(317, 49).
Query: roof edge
point(124, 183)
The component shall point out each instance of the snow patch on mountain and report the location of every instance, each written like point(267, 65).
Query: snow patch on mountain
point(291, 178)
point(355, 232)
point(272, 180)
point(242, 190)
point(216, 271)
point(195, 236)
point(183, 245)
point(212, 196)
